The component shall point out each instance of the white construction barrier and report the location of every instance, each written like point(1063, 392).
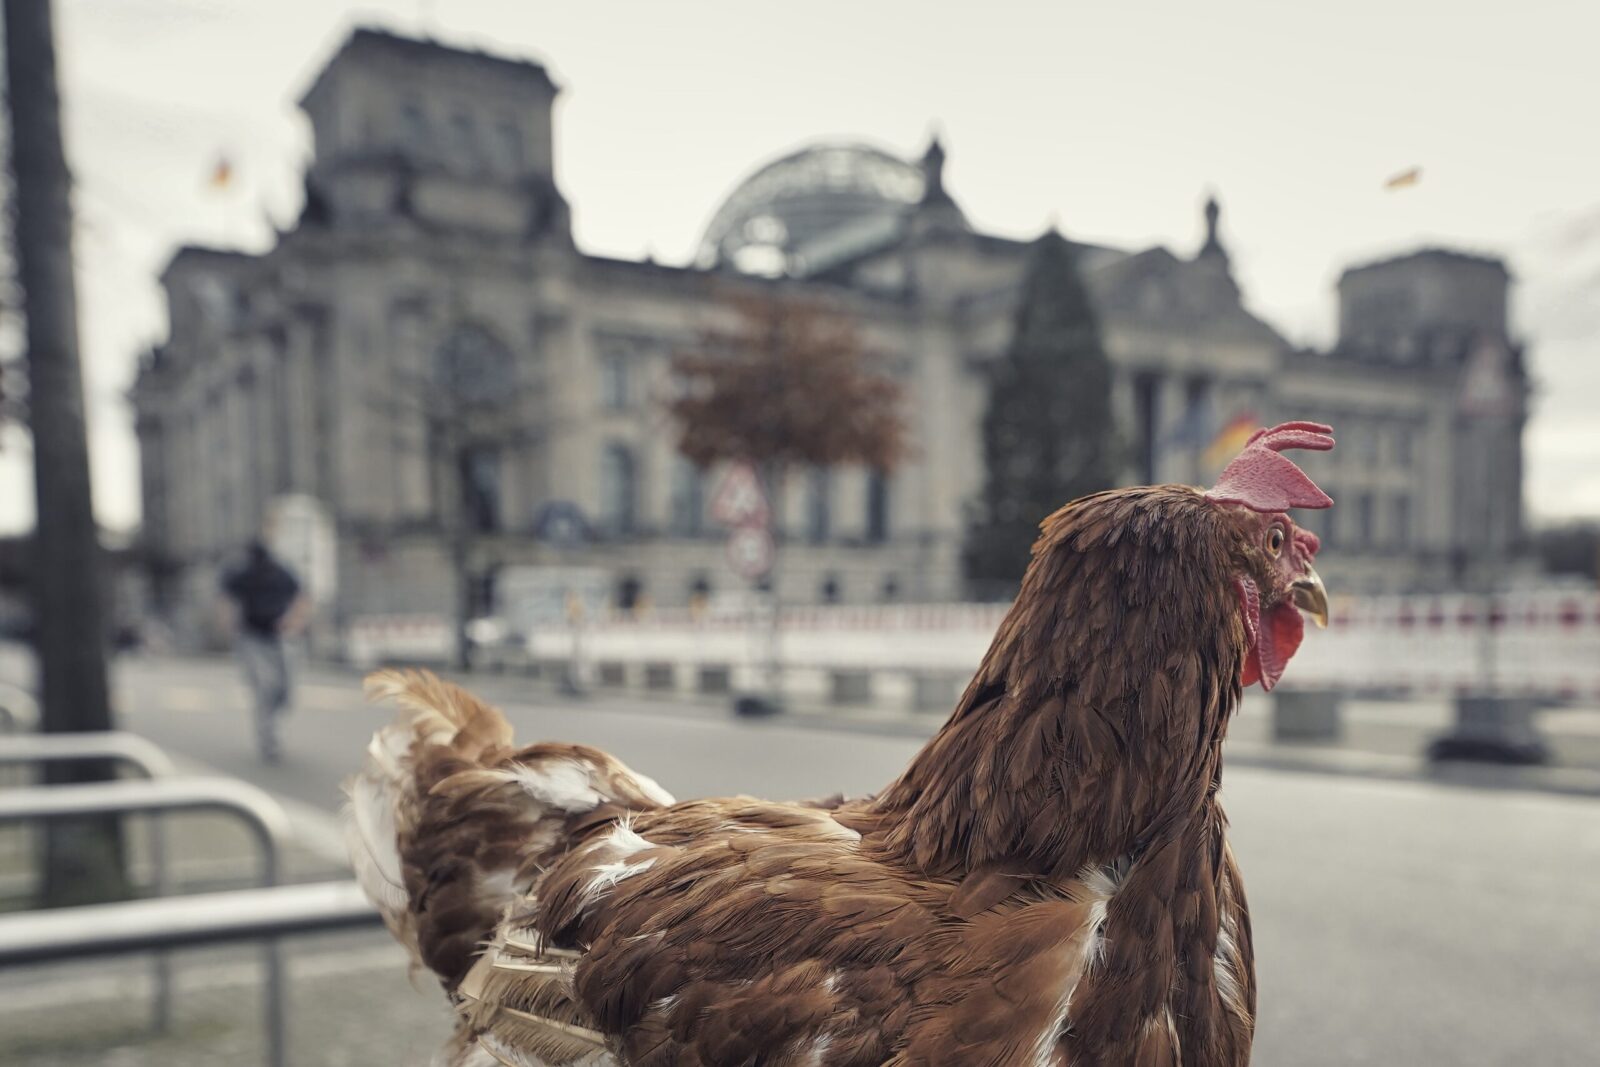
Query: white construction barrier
point(1544, 644)
point(371, 640)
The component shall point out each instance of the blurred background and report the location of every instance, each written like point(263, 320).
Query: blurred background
point(692, 379)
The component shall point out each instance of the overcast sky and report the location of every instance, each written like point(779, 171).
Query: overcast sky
point(1113, 120)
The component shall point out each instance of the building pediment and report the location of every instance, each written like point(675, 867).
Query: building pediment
point(1156, 290)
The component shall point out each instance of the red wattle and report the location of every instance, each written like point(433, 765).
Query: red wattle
point(1279, 639)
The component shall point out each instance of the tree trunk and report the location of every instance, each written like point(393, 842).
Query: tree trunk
point(775, 477)
point(461, 617)
point(461, 557)
point(82, 860)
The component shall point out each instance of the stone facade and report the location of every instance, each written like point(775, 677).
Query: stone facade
point(433, 231)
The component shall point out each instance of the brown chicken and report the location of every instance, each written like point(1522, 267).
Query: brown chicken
point(1048, 882)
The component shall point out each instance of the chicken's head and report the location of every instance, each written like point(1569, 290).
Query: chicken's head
point(1274, 576)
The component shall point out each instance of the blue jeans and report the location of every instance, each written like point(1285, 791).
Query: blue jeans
point(266, 671)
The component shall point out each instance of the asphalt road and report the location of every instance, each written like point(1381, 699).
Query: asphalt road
point(1396, 922)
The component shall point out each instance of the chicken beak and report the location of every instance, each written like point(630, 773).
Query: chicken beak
point(1310, 596)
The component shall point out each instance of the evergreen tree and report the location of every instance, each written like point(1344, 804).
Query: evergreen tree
point(1048, 434)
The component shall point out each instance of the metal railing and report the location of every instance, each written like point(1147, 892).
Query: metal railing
point(97, 930)
point(114, 746)
point(266, 820)
point(129, 750)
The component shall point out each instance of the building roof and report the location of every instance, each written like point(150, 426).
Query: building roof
point(813, 206)
point(1446, 255)
point(368, 40)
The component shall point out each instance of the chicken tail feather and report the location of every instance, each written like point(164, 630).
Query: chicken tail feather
point(448, 824)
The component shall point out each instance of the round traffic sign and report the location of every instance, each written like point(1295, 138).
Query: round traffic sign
point(750, 551)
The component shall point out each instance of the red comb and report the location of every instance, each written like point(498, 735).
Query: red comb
point(1263, 480)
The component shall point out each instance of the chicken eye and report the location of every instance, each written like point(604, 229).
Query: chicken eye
point(1275, 540)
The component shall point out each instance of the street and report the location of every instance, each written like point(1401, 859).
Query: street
point(1395, 922)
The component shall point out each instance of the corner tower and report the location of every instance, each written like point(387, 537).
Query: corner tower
point(447, 137)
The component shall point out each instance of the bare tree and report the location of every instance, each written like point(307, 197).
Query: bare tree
point(82, 861)
point(473, 410)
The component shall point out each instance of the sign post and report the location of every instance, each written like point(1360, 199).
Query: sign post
point(1491, 725)
point(740, 504)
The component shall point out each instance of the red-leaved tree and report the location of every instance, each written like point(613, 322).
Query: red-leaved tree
point(789, 383)
point(786, 382)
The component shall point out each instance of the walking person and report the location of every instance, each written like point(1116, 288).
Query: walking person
point(268, 607)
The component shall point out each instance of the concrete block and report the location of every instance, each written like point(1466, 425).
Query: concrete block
point(935, 692)
point(1306, 715)
point(1492, 729)
point(850, 687)
point(715, 680)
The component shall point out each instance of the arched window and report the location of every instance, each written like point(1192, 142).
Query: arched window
point(688, 498)
point(618, 489)
point(473, 368)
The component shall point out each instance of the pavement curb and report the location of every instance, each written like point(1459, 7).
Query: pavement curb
point(1307, 759)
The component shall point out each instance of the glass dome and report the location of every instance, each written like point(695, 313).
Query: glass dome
point(811, 208)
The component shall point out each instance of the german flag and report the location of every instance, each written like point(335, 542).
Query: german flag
point(1230, 440)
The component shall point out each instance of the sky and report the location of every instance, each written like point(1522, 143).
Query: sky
point(1110, 121)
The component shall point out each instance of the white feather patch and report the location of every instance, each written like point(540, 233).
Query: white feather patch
point(1227, 977)
point(562, 784)
point(612, 851)
point(812, 1055)
point(651, 789)
point(1098, 886)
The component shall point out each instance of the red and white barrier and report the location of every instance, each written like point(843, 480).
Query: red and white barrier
point(374, 639)
point(1535, 643)
point(1543, 644)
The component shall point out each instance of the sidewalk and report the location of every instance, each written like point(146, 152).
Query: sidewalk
point(1381, 739)
point(350, 1004)
point(351, 1001)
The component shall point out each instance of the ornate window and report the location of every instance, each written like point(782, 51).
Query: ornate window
point(615, 391)
point(688, 498)
point(877, 506)
point(1364, 521)
point(481, 487)
point(819, 506)
point(618, 489)
point(473, 368)
point(1402, 521)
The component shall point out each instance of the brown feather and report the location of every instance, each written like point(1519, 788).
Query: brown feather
point(1047, 882)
